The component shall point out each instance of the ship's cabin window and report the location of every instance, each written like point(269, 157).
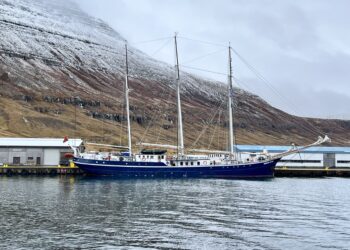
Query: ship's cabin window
point(181, 163)
point(186, 163)
point(152, 157)
point(261, 158)
point(192, 163)
point(198, 163)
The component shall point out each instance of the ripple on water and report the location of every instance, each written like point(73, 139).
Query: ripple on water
point(174, 214)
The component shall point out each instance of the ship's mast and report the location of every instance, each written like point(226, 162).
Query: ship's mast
point(230, 105)
point(127, 98)
point(180, 142)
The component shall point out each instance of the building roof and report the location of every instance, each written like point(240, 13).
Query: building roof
point(58, 143)
point(38, 142)
point(277, 149)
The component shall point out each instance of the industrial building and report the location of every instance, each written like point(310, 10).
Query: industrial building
point(35, 151)
point(310, 157)
point(51, 151)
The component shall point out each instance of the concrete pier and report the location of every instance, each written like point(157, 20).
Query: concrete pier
point(39, 170)
point(312, 172)
point(73, 170)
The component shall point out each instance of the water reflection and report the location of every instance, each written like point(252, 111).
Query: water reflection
point(74, 212)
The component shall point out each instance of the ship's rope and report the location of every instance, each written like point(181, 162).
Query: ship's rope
point(156, 116)
point(161, 47)
point(204, 56)
point(214, 131)
point(285, 99)
point(204, 70)
point(207, 125)
point(312, 129)
point(151, 41)
point(204, 42)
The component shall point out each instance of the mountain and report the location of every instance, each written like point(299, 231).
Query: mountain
point(61, 73)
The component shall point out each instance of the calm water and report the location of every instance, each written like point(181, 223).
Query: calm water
point(102, 213)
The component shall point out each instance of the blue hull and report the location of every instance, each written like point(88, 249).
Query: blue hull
point(159, 170)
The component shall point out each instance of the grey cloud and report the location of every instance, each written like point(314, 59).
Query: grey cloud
point(301, 47)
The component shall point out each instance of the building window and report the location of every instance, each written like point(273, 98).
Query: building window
point(30, 158)
point(16, 160)
point(301, 161)
point(341, 161)
point(38, 161)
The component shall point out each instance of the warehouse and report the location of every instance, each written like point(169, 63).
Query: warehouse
point(35, 151)
point(311, 157)
point(51, 151)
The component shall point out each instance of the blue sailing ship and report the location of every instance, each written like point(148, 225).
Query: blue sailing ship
point(152, 163)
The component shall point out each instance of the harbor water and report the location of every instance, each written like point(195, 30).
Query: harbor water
point(104, 213)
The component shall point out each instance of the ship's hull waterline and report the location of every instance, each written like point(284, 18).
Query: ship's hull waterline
point(124, 169)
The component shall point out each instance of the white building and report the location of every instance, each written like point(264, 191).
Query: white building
point(311, 157)
point(35, 151)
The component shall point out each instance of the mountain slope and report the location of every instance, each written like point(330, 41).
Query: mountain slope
point(61, 72)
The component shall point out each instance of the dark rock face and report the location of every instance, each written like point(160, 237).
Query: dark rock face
point(5, 77)
point(139, 119)
point(72, 100)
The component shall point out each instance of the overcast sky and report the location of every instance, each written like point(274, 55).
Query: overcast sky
point(301, 47)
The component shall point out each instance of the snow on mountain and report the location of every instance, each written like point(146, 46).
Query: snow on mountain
point(59, 33)
point(51, 48)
